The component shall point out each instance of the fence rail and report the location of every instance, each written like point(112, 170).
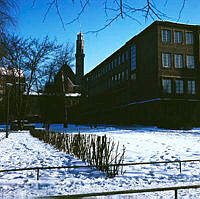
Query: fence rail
point(92, 166)
point(175, 189)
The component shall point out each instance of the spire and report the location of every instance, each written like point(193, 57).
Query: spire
point(79, 57)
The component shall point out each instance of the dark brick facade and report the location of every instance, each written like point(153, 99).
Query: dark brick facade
point(152, 79)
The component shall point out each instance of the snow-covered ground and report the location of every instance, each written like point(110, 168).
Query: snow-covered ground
point(142, 144)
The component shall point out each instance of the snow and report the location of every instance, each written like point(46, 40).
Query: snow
point(21, 150)
point(72, 94)
point(11, 71)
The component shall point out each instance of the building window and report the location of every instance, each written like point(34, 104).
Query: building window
point(167, 86)
point(119, 60)
point(178, 61)
point(133, 57)
point(191, 87)
point(113, 63)
point(166, 35)
point(115, 78)
point(190, 61)
point(119, 76)
point(166, 59)
point(178, 37)
point(179, 86)
point(133, 76)
point(126, 55)
point(116, 63)
point(189, 38)
point(126, 75)
point(123, 76)
point(123, 57)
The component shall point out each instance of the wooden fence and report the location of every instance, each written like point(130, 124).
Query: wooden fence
point(132, 191)
point(92, 166)
point(175, 189)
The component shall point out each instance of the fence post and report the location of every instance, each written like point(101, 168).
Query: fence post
point(180, 166)
point(176, 194)
point(38, 174)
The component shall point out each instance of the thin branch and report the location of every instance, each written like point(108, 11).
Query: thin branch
point(121, 8)
point(105, 26)
point(48, 9)
point(58, 11)
point(118, 8)
point(80, 13)
point(33, 4)
point(181, 10)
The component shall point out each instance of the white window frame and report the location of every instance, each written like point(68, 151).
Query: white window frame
point(190, 61)
point(189, 38)
point(178, 36)
point(179, 86)
point(191, 89)
point(167, 86)
point(166, 60)
point(166, 35)
point(178, 60)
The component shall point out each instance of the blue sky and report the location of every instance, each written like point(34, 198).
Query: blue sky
point(97, 46)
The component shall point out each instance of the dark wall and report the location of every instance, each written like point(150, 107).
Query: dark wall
point(147, 65)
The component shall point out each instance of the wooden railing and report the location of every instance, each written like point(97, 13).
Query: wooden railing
point(88, 166)
point(132, 191)
point(175, 189)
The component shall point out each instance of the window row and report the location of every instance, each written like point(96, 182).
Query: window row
point(178, 60)
point(178, 36)
point(110, 66)
point(121, 76)
point(190, 86)
point(112, 81)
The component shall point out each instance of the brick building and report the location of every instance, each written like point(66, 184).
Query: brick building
point(152, 79)
point(12, 86)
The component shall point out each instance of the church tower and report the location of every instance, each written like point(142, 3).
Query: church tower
point(79, 57)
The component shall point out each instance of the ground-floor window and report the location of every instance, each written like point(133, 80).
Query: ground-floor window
point(179, 86)
point(191, 87)
point(167, 86)
point(166, 59)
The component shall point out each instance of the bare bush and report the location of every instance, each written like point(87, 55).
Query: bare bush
point(99, 151)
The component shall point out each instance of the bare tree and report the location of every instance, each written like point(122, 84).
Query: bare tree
point(114, 10)
point(34, 59)
point(13, 61)
point(6, 18)
point(65, 56)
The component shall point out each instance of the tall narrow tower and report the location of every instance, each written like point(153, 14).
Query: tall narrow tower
point(79, 57)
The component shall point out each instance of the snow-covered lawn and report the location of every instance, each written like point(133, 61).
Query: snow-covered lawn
point(2, 135)
point(21, 150)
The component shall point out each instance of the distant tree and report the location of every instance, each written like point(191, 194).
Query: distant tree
point(115, 9)
point(38, 60)
point(65, 56)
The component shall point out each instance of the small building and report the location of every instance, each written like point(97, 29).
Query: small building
point(12, 86)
